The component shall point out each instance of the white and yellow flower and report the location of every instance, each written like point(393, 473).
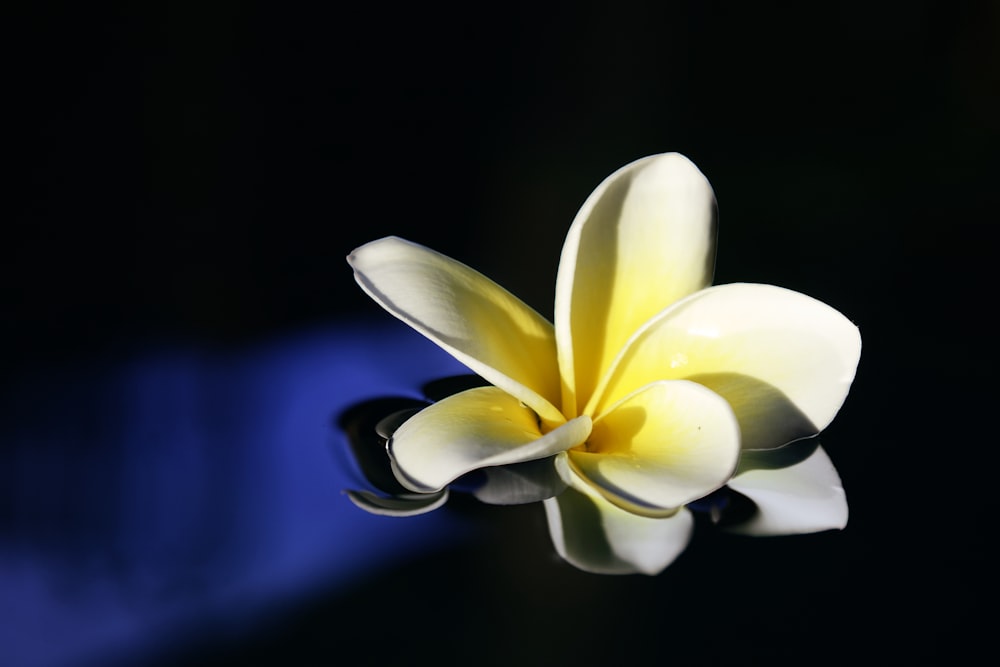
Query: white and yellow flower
point(651, 390)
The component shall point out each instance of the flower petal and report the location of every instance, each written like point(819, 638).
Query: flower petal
point(777, 457)
point(805, 498)
point(594, 535)
point(644, 239)
point(475, 320)
point(661, 447)
point(783, 360)
point(520, 483)
point(473, 429)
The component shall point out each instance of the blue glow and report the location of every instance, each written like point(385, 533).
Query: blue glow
point(143, 500)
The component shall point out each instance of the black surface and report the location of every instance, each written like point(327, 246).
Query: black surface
point(199, 174)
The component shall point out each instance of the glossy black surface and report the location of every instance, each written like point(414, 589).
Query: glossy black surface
point(187, 183)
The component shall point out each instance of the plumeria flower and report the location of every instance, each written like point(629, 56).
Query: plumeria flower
point(652, 391)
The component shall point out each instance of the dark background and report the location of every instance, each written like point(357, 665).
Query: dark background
point(197, 175)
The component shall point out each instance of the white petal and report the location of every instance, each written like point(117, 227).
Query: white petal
point(644, 239)
point(805, 498)
point(660, 448)
point(475, 320)
point(594, 535)
point(795, 350)
point(776, 457)
point(473, 429)
point(520, 483)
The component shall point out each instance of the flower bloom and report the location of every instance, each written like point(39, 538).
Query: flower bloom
point(650, 391)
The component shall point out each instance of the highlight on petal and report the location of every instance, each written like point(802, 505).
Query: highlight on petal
point(474, 429)
point(401, 505)
point(805, 498)
point(644, 239)
point(592, 534)
point(661, 447)
point(475, 320)
point(800, 354)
